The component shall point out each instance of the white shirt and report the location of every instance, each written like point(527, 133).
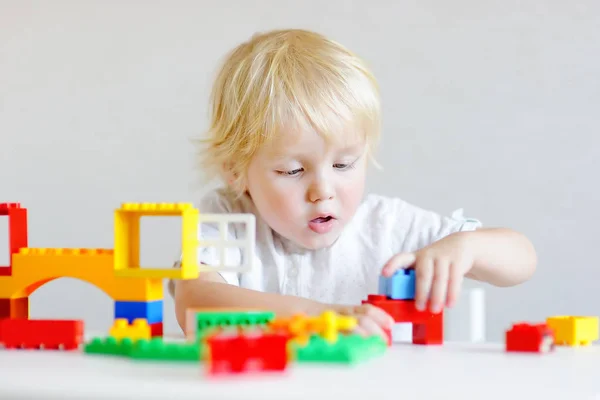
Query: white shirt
point(344, 273)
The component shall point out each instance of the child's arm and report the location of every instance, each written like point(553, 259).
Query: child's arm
point(501, 257)
point(498, 256)
point(211, 290)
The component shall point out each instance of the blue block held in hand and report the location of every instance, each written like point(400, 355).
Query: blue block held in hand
point(400, 286)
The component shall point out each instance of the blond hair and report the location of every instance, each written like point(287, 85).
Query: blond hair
point(279, 79)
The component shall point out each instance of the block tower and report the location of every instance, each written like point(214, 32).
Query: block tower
point(396, 296)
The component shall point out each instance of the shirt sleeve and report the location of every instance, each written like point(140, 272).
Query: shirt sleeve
point(412, 228)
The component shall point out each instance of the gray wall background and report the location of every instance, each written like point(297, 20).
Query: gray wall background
point(491, 106)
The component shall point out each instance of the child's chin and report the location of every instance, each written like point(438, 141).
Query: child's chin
point(321, 242)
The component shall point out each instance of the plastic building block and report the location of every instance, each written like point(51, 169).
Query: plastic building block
point(574, 330)
point(224, 241)
point(400, 310)
point(33, 267)
point(348, 349)
point(532, 338)
point(400, 286)
point(328, 325)
point(41, 334)
point(138, 329)
point(428, 327)
point(157, 349)
point(127, 240)
point(17, 232)
point(14, 308)
point(109, 346)
point(430, 332)
point(207, 320)
point(156, 329)
point(241, 351)
point(151, 311)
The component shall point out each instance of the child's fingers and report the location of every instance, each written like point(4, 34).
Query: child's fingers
point(423, 277)
point(454, 285)
point(370, 327)
point(439, 286)
point(381, 317)
point(398, 261)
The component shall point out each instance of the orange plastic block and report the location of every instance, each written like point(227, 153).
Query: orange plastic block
point(33, 267)
point(138, 329)
point(574, 330)
point(327, 325)
point(14, 308)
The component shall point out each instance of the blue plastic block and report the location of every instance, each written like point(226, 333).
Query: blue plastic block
point(149, 310)
point(400, 286)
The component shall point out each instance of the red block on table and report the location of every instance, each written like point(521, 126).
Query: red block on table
point(428, 327)
point(239, 352)
point(534, 338)
point(41, 334)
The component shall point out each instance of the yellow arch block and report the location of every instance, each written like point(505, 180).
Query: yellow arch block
point(33, 267)
point(138, 330)
point(127, 240)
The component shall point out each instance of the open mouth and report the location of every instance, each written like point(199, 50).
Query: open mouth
point(322, 219)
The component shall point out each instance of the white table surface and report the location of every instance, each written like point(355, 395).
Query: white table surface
point(451, 371)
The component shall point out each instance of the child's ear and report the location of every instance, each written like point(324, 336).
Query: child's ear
point(228, 173)
point(231, 176)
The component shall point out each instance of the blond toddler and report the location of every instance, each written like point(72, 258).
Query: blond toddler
point(295, 121)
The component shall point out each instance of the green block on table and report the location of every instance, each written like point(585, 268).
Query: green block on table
point(348, 349)
point(109, 346)
point(207, 320)
point(157, 349)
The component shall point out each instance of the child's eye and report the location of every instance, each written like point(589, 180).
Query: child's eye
point(343, 166)
point(290, 173)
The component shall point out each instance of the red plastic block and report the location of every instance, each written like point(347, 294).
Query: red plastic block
point(430, 331)
point(428, 327)
point(17, 232)
point(156, 329)
point(237, 351)
point(6, 207)
point(14, 308)
point(41, 334)
point(534, 338)
point(400, 310)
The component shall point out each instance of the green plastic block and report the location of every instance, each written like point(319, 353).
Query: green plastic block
point(157, 349)
point(206, 320)
point(348, 349)
point(109, 346)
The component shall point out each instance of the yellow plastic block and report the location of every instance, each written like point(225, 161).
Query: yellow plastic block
point(33, 267)
point(139, 329)
point(328, 325)
point(127, 240)
point(573, 330)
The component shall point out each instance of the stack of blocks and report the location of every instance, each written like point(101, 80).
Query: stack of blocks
point(396, 296)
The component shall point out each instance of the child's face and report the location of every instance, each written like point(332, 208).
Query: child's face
point(307, 189)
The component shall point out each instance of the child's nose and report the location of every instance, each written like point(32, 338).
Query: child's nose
point(320, 191)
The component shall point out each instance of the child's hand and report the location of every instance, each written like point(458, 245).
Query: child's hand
point(371, 320)
point(439, 270)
